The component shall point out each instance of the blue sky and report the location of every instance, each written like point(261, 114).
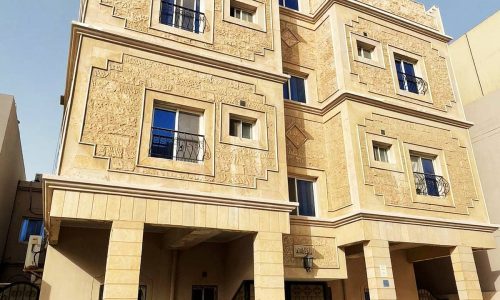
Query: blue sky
point(34, 42)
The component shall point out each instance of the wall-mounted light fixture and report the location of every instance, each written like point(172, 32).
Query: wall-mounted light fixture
point(308, 262)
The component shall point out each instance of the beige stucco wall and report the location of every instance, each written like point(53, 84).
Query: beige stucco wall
point(475, 56)
point(28, 204)
point(11, 163)
point(486, 141)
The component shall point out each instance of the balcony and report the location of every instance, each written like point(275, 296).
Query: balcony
point(412, 84)
point(431, 185)
point(182, 17)
point(177, 145)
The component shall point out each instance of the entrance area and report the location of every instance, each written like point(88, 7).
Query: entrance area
point(307, 291)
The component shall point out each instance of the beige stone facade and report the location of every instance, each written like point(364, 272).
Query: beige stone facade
point(124, 222)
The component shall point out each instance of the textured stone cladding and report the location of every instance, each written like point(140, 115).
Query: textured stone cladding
point(380, 80)
point(407, 9)
point(324, 251)
point(307, 145)
point(395, 186)
point(229, 38)
point(114, 115)
point(312, 49)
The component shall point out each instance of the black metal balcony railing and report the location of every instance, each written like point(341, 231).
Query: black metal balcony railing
point(177, 145)
point(431, 185)
point(182, 17)
point(412, 83)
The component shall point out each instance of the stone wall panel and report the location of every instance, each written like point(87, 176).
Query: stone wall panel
point(114, 115)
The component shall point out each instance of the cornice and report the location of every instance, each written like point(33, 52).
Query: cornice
point(402, 219)
point(349, 96)
point(79, 30)
point(380, 14)
point(53, 182)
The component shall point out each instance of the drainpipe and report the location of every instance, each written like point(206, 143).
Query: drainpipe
point(173, 274)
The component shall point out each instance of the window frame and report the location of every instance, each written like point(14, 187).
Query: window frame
point(377, 56)
point(242, 121)
point(314, 194)
point(242, 11)
point(420, 71)
point(377, 147)
point(177, 110)
point(203, 287)
point(289, 88)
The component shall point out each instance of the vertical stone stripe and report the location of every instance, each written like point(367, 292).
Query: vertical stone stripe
point(379, 270)
point(464, 268)
point(268, 266)
point(123, 265)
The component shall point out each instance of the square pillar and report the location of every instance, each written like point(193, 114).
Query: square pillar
point(379, 270)
point(123, 265)
point(269, 278)
point(464, 268)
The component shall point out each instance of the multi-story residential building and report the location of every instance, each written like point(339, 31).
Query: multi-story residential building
point(476, 57)
point(248, 149)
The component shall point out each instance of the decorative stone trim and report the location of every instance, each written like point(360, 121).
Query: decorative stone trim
point(366, 215)
point(348, 96)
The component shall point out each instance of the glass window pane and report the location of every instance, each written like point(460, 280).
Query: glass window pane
point(293, 4)
point(189, 123)
point(383, 155)
point(297, 89)
point(360, 52)
point(197, 294)
point(231, 12)
point(286, 94)
point(281, 2)
point(376, 153)
point(209, 293)
point(246, 131)
point(164, 119)
point(292, 193)
point(428, 166)
point(367, 54)
point(234, 126)
point(415, 164)
point(305, 195)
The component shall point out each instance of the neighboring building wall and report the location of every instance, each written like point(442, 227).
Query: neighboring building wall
point(485, 137)
point(476, 57)
point(11, 163)
point(28, 204)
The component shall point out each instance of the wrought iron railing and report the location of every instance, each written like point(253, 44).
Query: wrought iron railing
point(177, 145)
point(182, 17)
point(431, 185)
point(412, 83)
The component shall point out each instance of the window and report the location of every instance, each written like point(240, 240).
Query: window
point(240, 128)
point(30, 227)
point(141, 294)
point(426, 181)
point(183, 14)
point(242, 14)
point(175, 135)
point(406, 76)
point(365, 50)
point(302, 191)
point(200, 292)
point(381, 152)
point(292, 4)
point(295, 89)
